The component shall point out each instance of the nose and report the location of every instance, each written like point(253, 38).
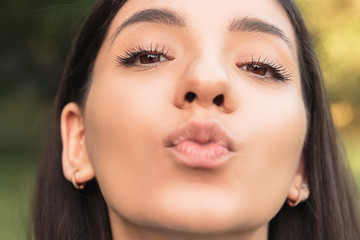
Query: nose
point(205, 83)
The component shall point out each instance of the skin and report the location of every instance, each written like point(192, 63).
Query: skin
point(119, 136)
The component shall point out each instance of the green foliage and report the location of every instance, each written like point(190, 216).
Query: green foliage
point(336, 28)
point(17, 174)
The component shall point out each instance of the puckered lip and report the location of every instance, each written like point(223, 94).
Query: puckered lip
point(200, 144)
point(202, 133)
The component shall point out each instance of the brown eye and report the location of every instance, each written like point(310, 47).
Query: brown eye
point(144, 57)
point(265, 70)
point(259, 70)
point(256, 69)
point(150, 58)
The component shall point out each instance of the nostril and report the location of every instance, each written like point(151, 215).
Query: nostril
point(190, 96)
point(218, 100)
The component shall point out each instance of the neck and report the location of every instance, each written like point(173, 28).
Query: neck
point(122, 229)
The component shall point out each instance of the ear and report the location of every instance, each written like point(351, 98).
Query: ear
point(74, 154)
point(299, 190)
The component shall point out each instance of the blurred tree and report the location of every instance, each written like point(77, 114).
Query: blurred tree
point(35, 39)
point(336, 28)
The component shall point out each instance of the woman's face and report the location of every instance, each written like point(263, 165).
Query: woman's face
point(195, 120)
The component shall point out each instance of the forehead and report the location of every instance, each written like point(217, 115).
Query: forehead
point(212, 14)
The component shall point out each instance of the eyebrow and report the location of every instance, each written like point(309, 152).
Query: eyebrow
point(256, 25)
point(168, 17)
point(160, 16)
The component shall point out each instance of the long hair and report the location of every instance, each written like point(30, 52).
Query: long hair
point(330, 213)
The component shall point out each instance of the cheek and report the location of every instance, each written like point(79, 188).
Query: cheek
point(121, 113)
point(279, 128)
point(272, 128)
point(124, 121)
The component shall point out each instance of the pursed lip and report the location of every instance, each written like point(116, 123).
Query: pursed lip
point(201, 144)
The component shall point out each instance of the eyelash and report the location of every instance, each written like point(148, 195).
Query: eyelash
point(278, 71)
point(131, 55)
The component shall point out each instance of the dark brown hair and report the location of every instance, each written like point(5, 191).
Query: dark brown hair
point(330, 213)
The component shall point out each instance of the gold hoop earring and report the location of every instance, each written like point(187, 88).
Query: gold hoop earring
point(294, 204)
point(76, 185)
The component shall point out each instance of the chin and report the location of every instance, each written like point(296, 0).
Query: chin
point(205, 221)
point(202, 210)
point(203, 225)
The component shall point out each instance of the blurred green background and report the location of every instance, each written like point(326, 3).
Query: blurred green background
point(35, 39)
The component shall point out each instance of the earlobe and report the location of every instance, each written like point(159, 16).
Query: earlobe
point(298, 194)
point(299, 189)
point(76, 164)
